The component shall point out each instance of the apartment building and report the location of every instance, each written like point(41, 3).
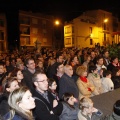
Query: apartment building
point(36, 29)
point(90, 28)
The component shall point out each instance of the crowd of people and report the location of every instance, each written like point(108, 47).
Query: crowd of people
point(57, 84)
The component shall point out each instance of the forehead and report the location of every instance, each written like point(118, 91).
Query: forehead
point(42, 77)
point(30, 61)
point(27, 93)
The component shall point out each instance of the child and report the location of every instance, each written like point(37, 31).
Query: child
point(52, 88)
point(88, 112)
point(107, 82)
point(70, 111)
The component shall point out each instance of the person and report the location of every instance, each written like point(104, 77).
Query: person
point(47, 107)
point(116, 112)
point(28, 73)
point(116, 78)
point(100, 64)
point(106, 58)
point(58, 75)
point(70, 110)
point(21, 103)
point(18, 74)
point(52, 88)
point(3, 74)
point(67, 84)
point(107, 82)
point(114, 63)
point(9, 84)
point(84, 86)
point(87, 111)
point(53, 68)
point(94, 78)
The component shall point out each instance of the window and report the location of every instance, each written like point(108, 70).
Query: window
point(91, 42)
point(1, 35)
point(90, 29)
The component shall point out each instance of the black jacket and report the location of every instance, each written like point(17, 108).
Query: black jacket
point(43, 107)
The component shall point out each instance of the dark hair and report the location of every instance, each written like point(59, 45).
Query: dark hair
point(34, 77)
point(106, 73)
point(116, 107)
point(66, 96)
point(113, 58)
point(114, 71)
point(27, 60)
point(50, 81)
point(92, 68)
point(14, 72)
point(99, 57)
point(7, 82)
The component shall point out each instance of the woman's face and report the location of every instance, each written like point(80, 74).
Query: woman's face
point(84, 74)
point(89, 109)
point(14, 85)
point(28, 102)
point(19, 75)
point(71, 100)
point(115, 60)
point(53, 86)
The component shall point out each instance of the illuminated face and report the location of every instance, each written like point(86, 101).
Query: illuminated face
point(100, 61)
point(41, 83)
point(60, 59)
point(14, 85)
point(53, 86)
point(19, 75)
point(28, 102)
point(71, 100)
point(31, 65)
point(61, 68)
point(69, 71)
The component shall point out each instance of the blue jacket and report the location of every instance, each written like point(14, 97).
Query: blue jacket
point(16, 117)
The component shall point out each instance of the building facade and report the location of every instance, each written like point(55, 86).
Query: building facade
point(36, 29)
point(92, 27)
point(3, 33)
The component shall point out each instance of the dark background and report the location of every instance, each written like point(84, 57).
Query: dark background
point(64, 10)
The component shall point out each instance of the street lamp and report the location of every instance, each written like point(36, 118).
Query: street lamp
point(58, 31)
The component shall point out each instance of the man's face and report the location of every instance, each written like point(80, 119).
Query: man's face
point(61, 69)
point(60, 59)
point(106, 54)
point(100, 61)
point(31, 64)
point(92, 54)
point(41, 83)
point(69, 71)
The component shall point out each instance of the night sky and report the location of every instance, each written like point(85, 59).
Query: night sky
point(62, 9)
point(65, 9)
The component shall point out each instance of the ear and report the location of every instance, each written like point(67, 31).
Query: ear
point(8, 89)
point(36, 84)
point(19, 104)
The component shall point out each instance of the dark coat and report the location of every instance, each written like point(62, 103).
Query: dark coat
point(27, 80)
point(67, 84)
point(4, 107)
point(43, 107)
point(116, 81)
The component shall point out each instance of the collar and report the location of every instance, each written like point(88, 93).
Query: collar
point(84, 79)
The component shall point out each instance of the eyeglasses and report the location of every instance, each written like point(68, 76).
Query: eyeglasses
point(42, 81)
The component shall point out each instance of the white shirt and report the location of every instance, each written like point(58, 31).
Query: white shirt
point(107, 84)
